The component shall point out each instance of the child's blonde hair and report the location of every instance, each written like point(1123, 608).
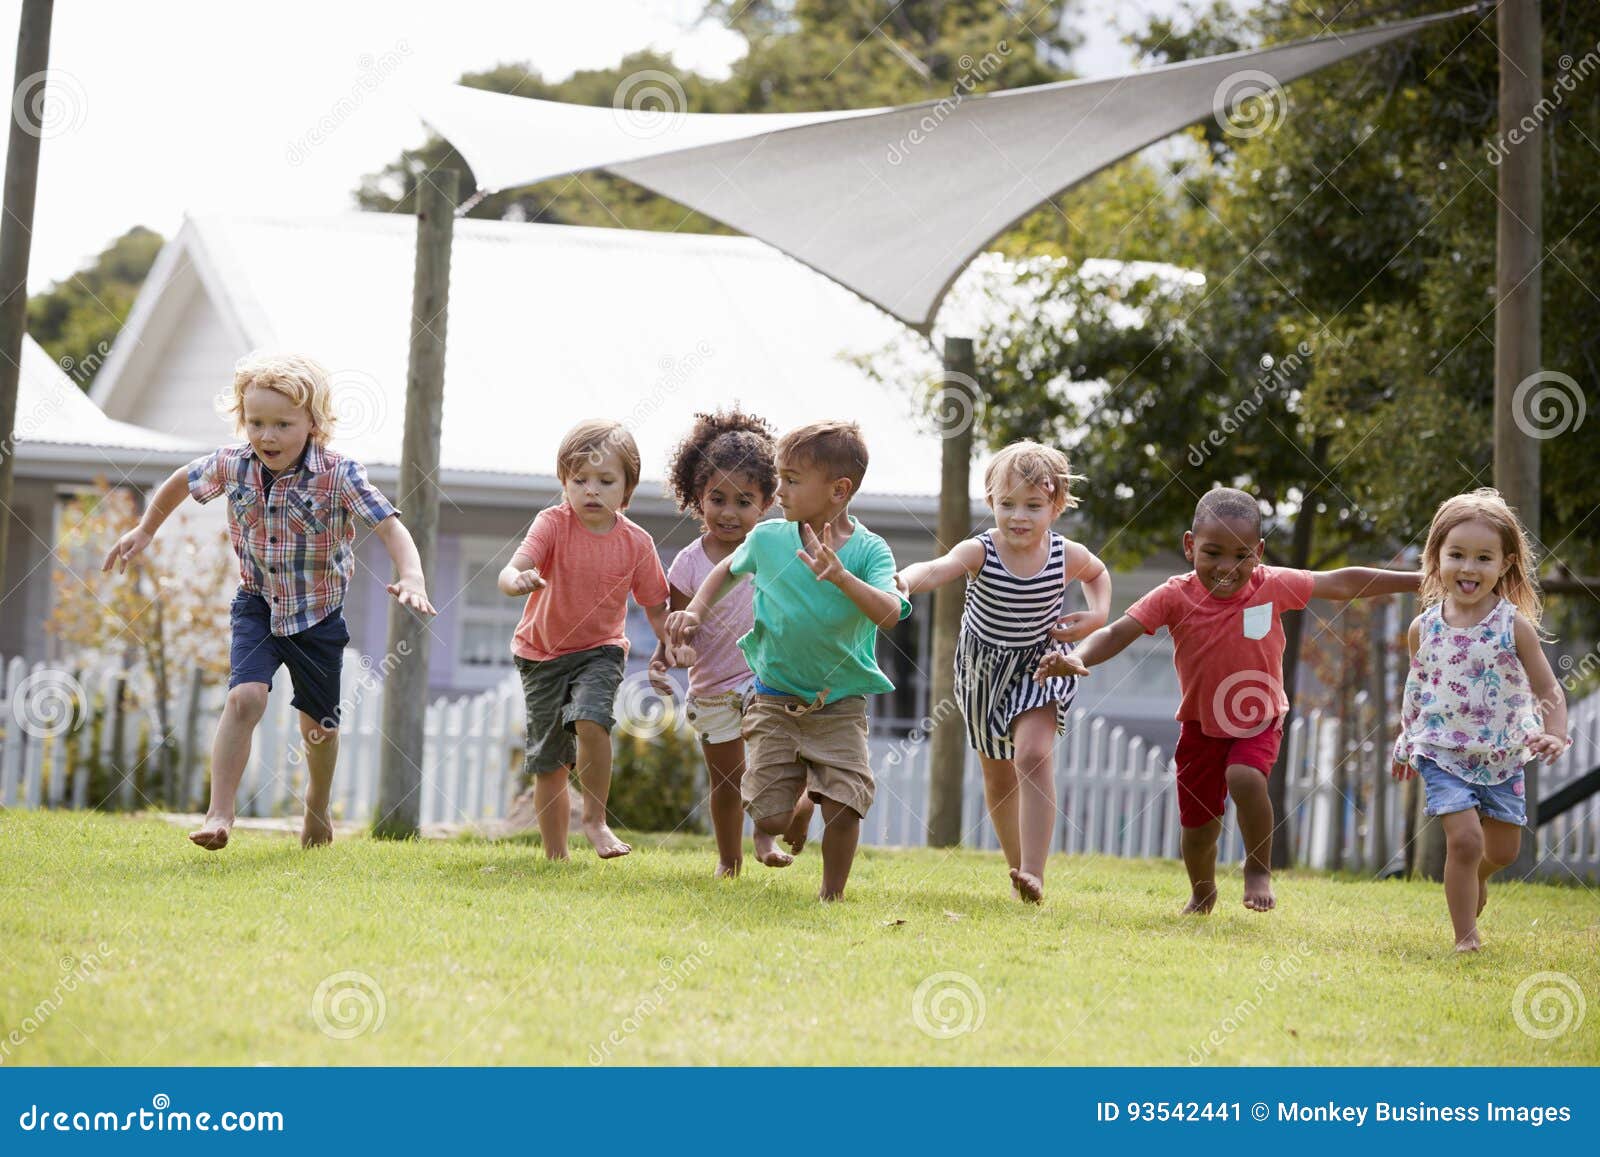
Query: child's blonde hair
point(589, 442)
point(1031, 464)
point(300, 379)
point(1516, 585)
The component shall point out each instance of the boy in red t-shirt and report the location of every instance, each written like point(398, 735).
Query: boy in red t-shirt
point(1227, 637)
point(577, 566)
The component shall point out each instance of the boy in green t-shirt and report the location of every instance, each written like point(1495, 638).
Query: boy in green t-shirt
point(812, 646)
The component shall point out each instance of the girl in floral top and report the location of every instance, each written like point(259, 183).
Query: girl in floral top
point(1481, 699)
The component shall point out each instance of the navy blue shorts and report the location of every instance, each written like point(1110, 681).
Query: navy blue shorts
point(314, 657)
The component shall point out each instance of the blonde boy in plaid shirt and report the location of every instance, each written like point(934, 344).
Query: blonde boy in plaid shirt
point(292, 506)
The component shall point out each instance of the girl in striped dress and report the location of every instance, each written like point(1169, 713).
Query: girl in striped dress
point(1017, 574)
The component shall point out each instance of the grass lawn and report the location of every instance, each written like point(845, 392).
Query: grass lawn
point(137, 948)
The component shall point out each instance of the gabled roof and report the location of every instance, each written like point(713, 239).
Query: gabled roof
point(56, 419)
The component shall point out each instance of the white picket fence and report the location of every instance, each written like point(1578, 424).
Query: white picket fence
point(1570, 843)
point(1117, 796)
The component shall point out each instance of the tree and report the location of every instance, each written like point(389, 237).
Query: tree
point(162, 619)
point(77, 319)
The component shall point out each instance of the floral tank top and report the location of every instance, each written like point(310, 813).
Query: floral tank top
point(1468, 706)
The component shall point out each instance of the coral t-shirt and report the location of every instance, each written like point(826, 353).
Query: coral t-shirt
point(590, 577)
point(1228, 652)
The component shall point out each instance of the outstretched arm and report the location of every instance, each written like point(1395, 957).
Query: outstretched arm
point(681, 625)
point(1360, 582)
point(409, 588)
point(966, 558)
point(1109, 642)
point(1551, 701)
point(167, 498)
point(1083, 565)
point(1400, 762)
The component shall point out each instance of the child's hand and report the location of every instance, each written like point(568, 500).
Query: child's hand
point(1549, 747)
point(820, 556)
point(1076, 627)
point(659, 682)
point(681, 626)
point(901, 585)
point(127, 548)
point(410, 592)
point(1054, 664)
point(527, 582)
point(681, 655)
point(1401, 771)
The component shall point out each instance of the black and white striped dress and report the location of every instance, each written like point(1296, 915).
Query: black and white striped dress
point(1005, 628)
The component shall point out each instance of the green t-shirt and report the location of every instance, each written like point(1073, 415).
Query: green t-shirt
point(807, 635)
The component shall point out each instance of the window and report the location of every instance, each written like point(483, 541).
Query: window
point(488, 618)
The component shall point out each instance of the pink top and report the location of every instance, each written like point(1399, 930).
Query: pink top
point(590, 576)
point(1228, 652)
point(719, 664)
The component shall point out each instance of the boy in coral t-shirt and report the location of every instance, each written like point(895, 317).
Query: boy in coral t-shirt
point(577, 566)
point(1228, 642)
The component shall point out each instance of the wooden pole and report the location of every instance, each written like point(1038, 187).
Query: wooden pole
point(16, 228)
point(405, 691)
point(948, 748)
point(1519, 242)
point(1382, 736)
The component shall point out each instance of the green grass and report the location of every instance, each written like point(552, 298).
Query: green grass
point(486, 954)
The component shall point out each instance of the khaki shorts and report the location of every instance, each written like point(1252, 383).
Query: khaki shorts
point(823, 752)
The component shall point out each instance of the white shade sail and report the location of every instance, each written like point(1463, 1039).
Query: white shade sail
point(891, 203)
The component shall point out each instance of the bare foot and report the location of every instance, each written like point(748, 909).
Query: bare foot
point(1028, 886)
point(1469, 942)
point(557, 852)
point(213, 834)
point(726, 871)
point(1202, 899)
point(1258, 895)
point(768, 853)
point(606, 844)
point(1483, 895)
point(795, 837)
point(316, 829)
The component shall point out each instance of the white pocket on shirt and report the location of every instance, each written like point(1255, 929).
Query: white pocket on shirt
point(1257, 621)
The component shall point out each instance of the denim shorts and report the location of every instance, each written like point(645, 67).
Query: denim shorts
point(314, 656)
point(1447, 793)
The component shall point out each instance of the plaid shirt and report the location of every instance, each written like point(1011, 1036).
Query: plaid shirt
point(294, 542)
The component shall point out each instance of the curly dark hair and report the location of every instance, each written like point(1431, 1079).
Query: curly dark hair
point(727, 441)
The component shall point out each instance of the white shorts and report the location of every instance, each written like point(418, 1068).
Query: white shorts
point(717, 718)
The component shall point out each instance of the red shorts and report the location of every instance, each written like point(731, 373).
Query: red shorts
point(1203, 762)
